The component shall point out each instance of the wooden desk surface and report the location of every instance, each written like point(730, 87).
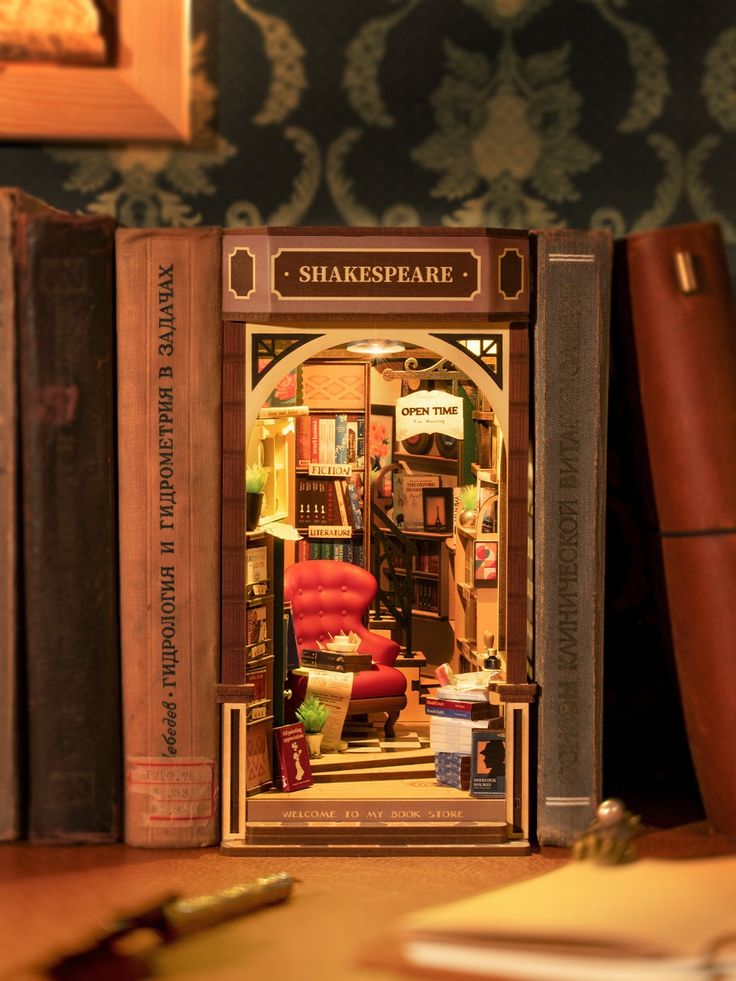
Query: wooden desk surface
point(53, 900)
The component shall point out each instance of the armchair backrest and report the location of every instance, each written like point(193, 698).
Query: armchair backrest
point(328, 596)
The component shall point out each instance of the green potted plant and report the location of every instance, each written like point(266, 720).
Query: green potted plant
point(468, 512)
point(255, 482)
point(313, 714)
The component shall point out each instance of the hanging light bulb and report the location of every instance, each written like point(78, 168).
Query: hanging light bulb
point(376, 347)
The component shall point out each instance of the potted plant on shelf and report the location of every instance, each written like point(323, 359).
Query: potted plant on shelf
point(255, 482)
point(314, 715)
point(468, 511)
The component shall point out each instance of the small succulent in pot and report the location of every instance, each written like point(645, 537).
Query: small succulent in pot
point(313, 714)
point(255, 482)
point(255, 478)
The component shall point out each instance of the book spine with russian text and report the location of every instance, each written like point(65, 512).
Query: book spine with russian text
point(571, 358)
point(169, 384)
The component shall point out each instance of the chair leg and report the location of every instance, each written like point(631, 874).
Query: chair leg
point(391, 719)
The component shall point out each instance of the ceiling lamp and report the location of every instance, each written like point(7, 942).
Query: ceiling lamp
point(376, 348)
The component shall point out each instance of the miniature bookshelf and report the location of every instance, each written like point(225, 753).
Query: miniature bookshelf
point(478, 571)
point(429, 573)
point(331, 461)
point(259, 658)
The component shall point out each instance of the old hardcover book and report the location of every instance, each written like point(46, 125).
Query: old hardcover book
point(682, 325)
point(169, 393)
point(459, 708)
point(571, 356)
point(650, 919)
point(333, 661)
point(12, 202)
point(292, 755)
point(67, 425)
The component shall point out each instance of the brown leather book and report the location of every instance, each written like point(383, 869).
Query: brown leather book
point(169, 398)
point(683, 325)
point(67, 426)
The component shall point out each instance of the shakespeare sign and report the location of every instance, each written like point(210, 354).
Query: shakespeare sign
point(429, 412)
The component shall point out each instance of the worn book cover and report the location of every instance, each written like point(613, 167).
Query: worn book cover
point(571, 358)
point(66, 360)
point(169, 390)
point(677, 313)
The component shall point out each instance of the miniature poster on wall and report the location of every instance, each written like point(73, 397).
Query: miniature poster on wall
point(381, 447)
point(438, 513)
point(255, 624)
point(285, 392)
point(292, 757)
point(256, 565)
point(486, 563)
point(408, 509)
point(488, 773)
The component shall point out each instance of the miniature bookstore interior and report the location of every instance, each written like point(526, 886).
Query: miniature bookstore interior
point(382, 555)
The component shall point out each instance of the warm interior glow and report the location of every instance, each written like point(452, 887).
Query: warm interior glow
point(376, 347)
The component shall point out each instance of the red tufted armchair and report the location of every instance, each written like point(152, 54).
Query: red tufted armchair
point(328, 596)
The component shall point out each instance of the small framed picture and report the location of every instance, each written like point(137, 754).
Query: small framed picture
point(486, 562)
point(437, 508)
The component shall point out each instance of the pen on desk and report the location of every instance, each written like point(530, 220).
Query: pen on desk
point(119, 955)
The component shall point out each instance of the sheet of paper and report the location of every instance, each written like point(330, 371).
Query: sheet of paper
point(333, 689)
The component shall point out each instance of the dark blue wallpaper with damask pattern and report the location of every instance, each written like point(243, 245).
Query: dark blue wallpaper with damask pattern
point(493, 112)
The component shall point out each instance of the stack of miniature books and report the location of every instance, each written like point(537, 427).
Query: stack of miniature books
point(454, 713)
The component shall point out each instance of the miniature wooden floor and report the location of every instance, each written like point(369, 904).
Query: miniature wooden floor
point(378, 794)
point(370, 756)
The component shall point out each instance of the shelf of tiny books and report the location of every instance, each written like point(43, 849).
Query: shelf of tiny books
point(329, 513)
point(259, 706)
point(429, 572)
point(476, 575)
point(258, 660)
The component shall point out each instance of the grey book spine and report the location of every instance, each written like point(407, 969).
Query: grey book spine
point(571, 341)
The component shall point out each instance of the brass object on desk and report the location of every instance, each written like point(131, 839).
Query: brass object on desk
point(121, 953)
point(610, 838)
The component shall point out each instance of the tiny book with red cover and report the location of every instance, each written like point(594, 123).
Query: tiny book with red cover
point(292, 755)
point(459, 708)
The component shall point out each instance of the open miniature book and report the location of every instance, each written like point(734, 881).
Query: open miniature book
point(587, 922)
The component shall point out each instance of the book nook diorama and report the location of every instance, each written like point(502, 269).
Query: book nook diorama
point(375, 684)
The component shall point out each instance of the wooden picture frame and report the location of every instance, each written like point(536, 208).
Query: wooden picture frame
point(485, 561)
point(437, 509)
point(144, 96)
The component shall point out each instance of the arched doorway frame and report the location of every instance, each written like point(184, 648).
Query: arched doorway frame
point(510, 402)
